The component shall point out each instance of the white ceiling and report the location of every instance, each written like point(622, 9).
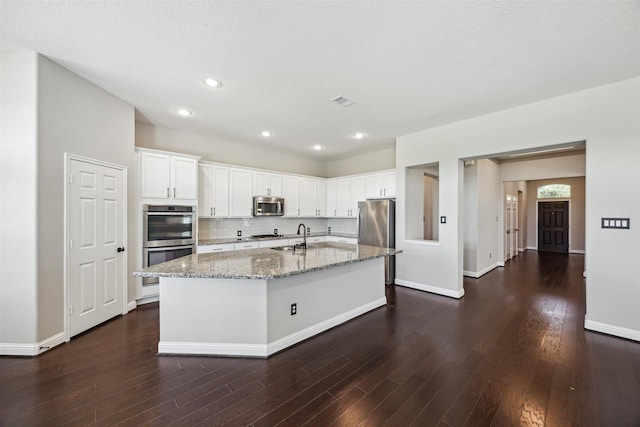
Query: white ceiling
point(407, 65)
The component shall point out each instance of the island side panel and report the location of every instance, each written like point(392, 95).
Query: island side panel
point(213, 316)
point(324, 299)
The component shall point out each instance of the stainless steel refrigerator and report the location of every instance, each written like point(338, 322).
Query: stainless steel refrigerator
point(377, 227)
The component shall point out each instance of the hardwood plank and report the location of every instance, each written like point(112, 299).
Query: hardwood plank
point(513, 351)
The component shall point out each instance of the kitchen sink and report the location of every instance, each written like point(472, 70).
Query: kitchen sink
point(291, 248)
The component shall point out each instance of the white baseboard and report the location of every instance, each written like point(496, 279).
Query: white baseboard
point(147, 300)
point(433, 289)
point(532, 248)
point(576, 251)
point(265, 350)
point(17, 349)
point(477, 274)
point(617, 331)
point(230, 349)
point(522, 249)
point(500, 263)
point(131, 306)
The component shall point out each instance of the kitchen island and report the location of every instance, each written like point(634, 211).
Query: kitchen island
point(257, 302)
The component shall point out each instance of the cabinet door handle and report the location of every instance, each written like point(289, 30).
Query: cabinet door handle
point(298, 212)
point(211, 211)
point(334, 213)
point(381, 191)
point(384, 192)
point(168, 193)
point(214, 211)
point(174, 192)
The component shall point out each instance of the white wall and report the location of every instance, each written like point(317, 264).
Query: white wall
point(608, 119)
point(217, 150)
point(46, 111)
point(470, 219)
point(489, 205)
point(76, 117)
point(361, 163)
point(560, 166)
point(481, 208)
point(18, 203)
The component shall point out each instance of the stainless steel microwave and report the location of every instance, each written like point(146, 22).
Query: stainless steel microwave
point(268, 206)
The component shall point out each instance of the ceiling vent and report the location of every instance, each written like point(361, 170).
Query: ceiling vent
point(342, 101)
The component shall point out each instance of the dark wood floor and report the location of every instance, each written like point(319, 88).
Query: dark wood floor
point(512, 352)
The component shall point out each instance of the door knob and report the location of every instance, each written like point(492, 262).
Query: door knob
point(121, 249)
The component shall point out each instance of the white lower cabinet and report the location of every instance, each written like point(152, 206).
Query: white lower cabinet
point(337, 239)
point(273, 243)
point(247, 245)
point(207, 249)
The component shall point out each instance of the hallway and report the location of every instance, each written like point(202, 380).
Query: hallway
point(513, 351)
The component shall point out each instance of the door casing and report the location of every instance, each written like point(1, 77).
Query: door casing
point(68, 158)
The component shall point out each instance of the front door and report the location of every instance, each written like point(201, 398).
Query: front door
point(96, 258)
point(553, 226)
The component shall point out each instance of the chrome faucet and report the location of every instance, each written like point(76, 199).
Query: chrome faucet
point(304, 241)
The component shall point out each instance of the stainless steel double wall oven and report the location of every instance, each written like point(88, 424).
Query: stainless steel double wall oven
point(169, 232)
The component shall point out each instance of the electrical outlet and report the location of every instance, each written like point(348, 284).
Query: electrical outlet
point(294, 309)
point(275, 231)
point(239, 233)
point(308, 230)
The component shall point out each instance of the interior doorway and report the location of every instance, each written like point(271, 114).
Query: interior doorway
point(511, 227)
point(553, 226)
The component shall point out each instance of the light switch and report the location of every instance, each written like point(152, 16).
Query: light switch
point(619, 223)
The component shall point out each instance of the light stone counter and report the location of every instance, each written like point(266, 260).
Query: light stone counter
point(267, 263)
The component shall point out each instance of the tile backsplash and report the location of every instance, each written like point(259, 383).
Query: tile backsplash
point(216, 228)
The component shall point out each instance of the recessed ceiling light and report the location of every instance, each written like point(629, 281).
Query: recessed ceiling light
point(266, 133)
point(212, 83)
point(184, 112)
point(318, 147)
point(359, 135)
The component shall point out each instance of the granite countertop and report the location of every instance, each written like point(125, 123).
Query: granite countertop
point(265, 263)
point(274, 237)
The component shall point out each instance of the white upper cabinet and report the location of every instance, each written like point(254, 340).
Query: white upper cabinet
point(331, 198)
point(381, 185)
point(312, 195)
point(356, 195)
point(213, 190)
point(343, 195)
point(241, 192)
point(290, 192)
point(321, 195)
point(168, 177)
point(267, 184)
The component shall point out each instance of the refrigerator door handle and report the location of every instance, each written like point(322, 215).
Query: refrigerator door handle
point(358, 224)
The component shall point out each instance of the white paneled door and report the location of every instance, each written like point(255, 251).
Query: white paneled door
point(96, 257)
